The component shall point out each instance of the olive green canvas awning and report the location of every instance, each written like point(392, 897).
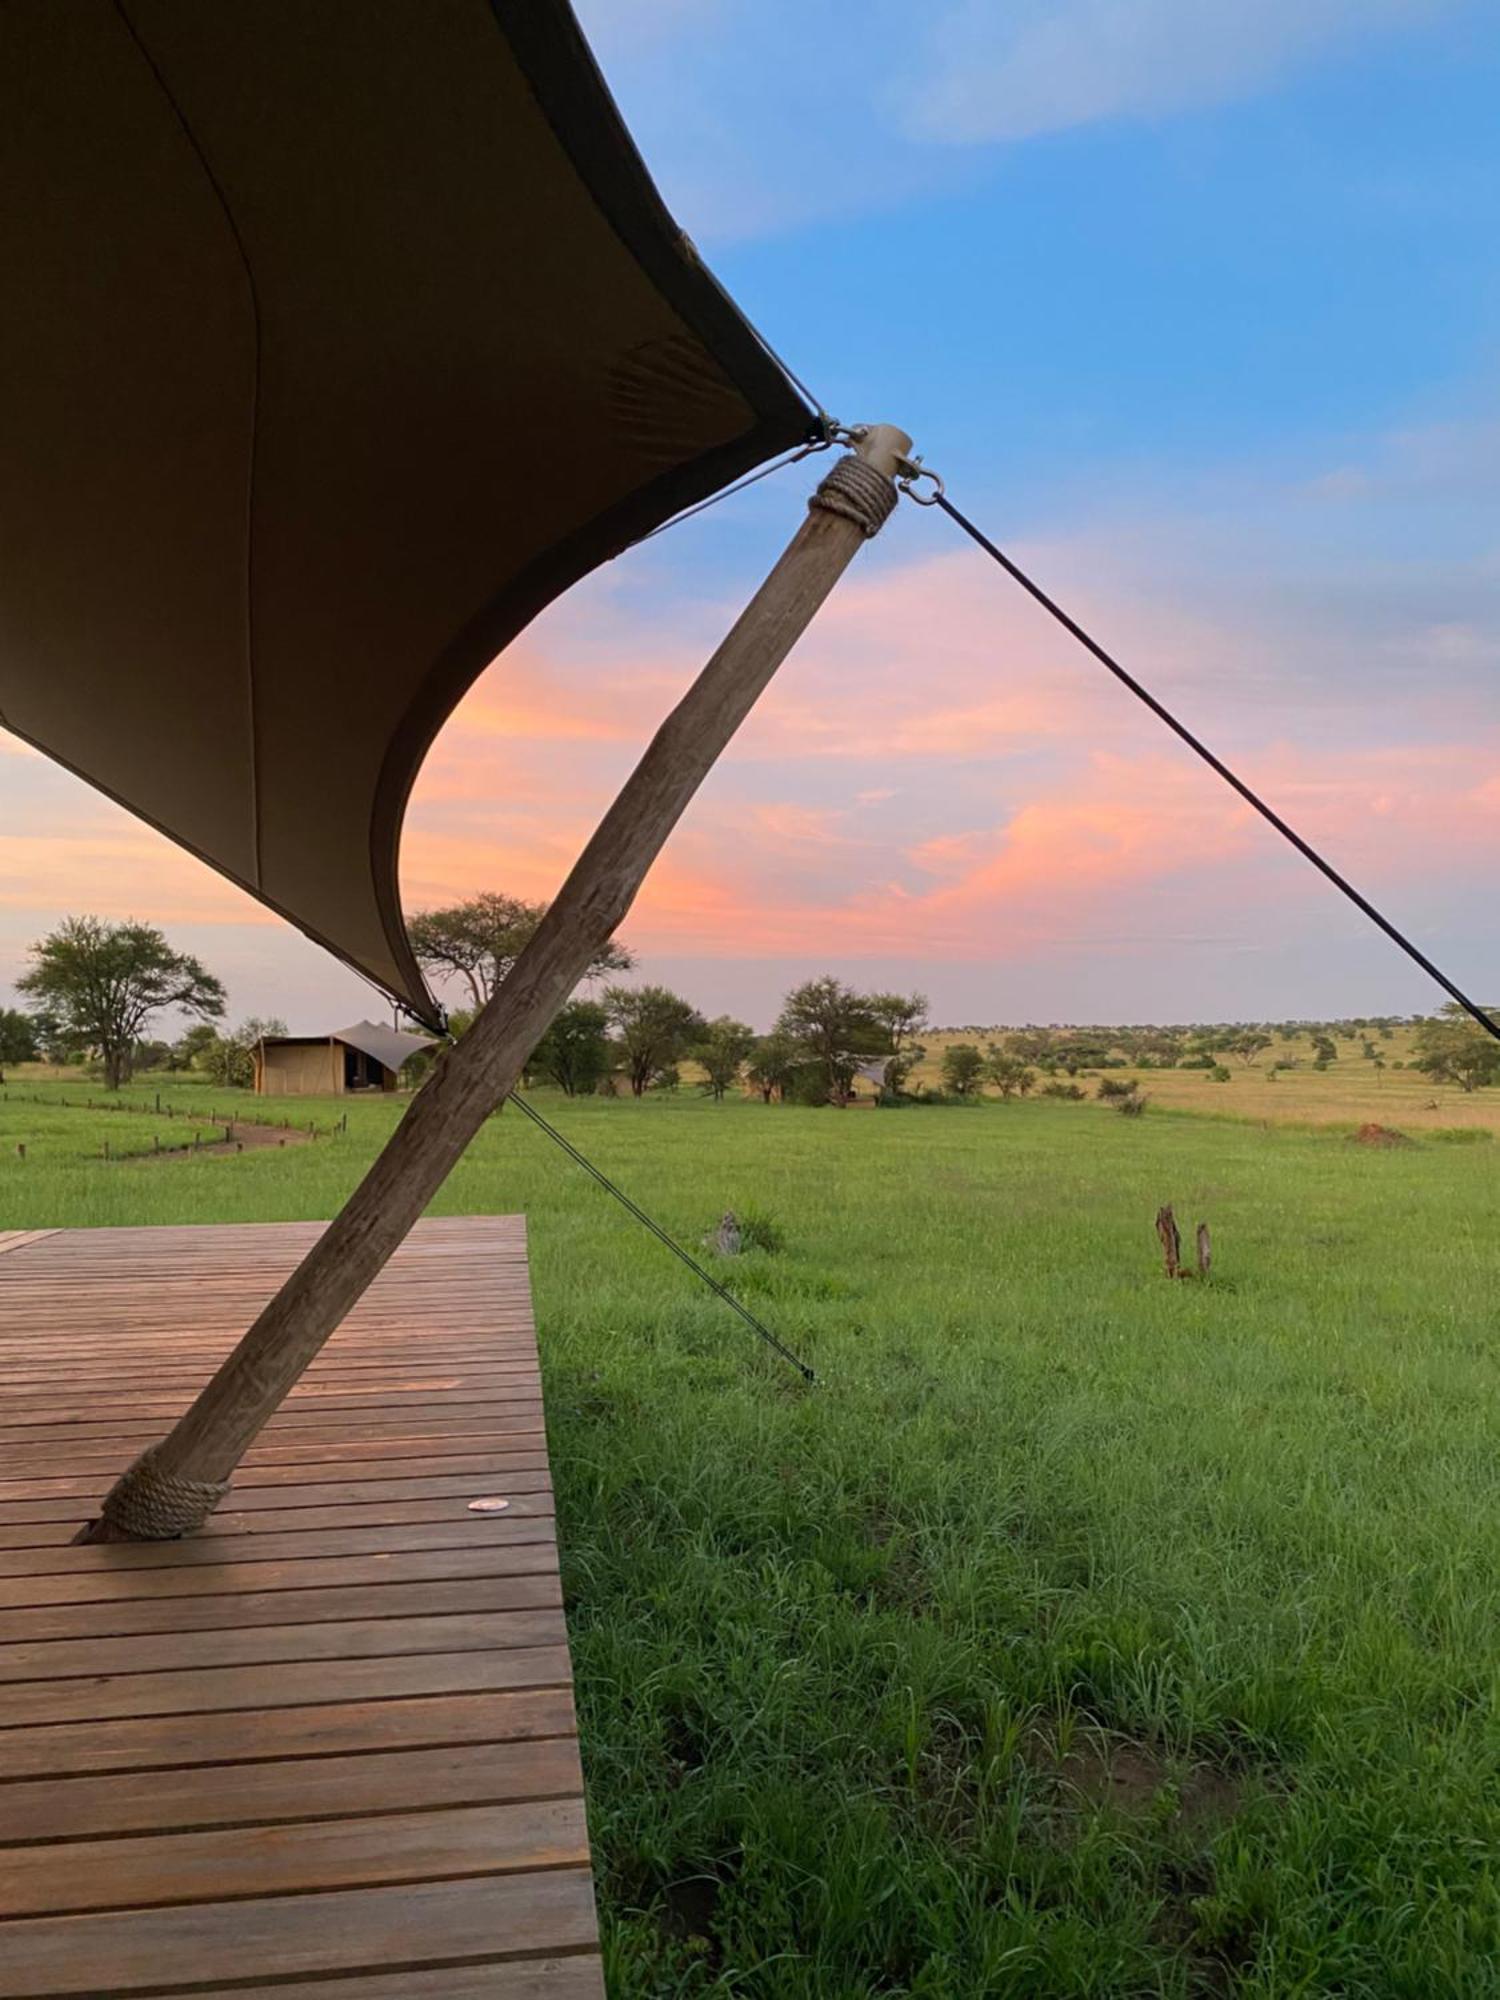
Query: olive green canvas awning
point(340, 337)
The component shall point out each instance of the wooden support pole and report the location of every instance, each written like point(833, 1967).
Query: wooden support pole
point(175, 1485)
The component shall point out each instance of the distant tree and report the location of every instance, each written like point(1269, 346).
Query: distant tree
point(963, 1069)
point(838, 1030)
point(902, 1016)
point(1323, 1049)
point(479, 941)
point(574, 1052)
point(230, 1059)
point(18, 1037)
point(774, 1063)
point(1248, 1043)
point(1010, 1076)
point(152, 1055)
point(103, 982)
point(654, 1027)
point(189, 1049)
point(1073, 1052)
point(1451, 1048)
point(721, 1052)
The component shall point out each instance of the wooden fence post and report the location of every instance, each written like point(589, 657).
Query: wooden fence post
point(175, 1485)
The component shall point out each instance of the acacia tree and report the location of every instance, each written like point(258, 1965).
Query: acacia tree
point(774, 1063)
point(480, 940)
point(1248, 1044)
point(654, 1027)
point(903, 1017)
point(837, 1029)
point(574, 1052)
point(1451, 1048)
point(102, 983)
point(1010, 1076)
point(721, 1052)
point(963, 1069)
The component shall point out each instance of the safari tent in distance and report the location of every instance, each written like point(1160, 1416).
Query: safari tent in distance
point(364, 1057)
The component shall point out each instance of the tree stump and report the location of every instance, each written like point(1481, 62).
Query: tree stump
point(1171, 1245)
point(1171, 1240)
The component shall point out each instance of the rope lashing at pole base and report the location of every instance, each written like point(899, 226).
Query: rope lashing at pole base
point(914, 471)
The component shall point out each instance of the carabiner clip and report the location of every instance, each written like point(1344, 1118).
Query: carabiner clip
point(911, 470)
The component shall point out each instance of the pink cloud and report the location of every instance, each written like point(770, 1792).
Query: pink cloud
point(1035, 801)
point(937, 771)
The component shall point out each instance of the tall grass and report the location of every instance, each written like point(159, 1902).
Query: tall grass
point(1080, 1633)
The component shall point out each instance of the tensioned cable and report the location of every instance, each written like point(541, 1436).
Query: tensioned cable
point(612, 1187)
point(727, 492)
point(1267, 813)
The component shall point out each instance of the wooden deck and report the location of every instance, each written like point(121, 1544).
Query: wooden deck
point(327, 1747)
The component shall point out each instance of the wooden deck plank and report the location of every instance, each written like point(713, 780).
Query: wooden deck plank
point(305, 1516)
point(22, 1631)
point(331, 1738)
point(146, 1871)
point(525, 1615)
point(203, 1796)
point(303, 1465)
point(549, 1979)
point(312, 1729)
point(348, 1930)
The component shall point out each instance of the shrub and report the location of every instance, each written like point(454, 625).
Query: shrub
point(1132, 1106)
point(963, 1069)
point(759, 1231)
point(1117, 1087)
point(1071, 1091)
point(1218, 1074)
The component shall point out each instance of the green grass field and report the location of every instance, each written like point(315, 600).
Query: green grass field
point(1079, 1633)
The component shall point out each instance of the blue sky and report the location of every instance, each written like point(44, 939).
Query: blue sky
point(1195, 306)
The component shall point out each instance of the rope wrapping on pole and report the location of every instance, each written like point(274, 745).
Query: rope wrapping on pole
point(151, 1504)
point(1200, 749)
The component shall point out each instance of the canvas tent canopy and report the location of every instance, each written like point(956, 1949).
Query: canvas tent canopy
point(364, 1057)
point(339, 340)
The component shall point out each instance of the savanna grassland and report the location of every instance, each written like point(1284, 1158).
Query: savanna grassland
point(1350, 1092)
point(1080, 1633)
